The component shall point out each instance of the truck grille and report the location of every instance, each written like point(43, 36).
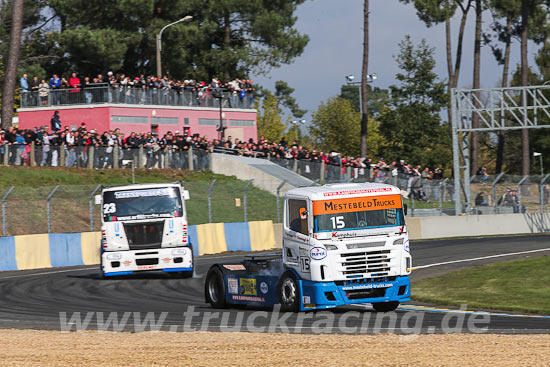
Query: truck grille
point(144, 235)
point(366, 263)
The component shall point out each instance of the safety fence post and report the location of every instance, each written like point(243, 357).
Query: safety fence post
point(92, 207)
point(190, 158)
point(245, 194)
point(141, 164)
point(49, 209)
point(495, 203)
point(4, 214)
point(115, 156)
point(520, 183)
point(91, 152)
point(210, 188)
point(32, 155)
point(541, 192)
point(322, 174)
point(6, 154)
point(62, 155)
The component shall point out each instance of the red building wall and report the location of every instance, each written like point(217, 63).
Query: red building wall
point(139, 118)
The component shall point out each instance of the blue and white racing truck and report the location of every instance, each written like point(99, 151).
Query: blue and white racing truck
point(343, 244)
point(144, 228)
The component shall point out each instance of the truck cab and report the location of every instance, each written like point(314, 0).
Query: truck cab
point(143, 228)
point(352, 238)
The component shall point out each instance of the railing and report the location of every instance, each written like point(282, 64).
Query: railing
point(118, 94)
point(102, 157)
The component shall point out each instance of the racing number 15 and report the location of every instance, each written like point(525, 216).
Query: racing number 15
point(304, 264)
point(338, 222)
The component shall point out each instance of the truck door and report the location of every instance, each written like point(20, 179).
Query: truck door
point(296, 240)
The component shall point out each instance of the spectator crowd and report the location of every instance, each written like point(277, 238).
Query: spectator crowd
point(120, 88)
point(171, 150)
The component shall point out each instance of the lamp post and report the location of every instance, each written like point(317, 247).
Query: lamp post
point(349, 80)
point(296, 122)
point(159, 41)
point(537, 154)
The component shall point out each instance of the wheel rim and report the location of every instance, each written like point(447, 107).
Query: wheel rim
point(288, 291)
point(213, 288)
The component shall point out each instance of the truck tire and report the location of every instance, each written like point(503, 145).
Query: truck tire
point(289, 293)
point(214, 288)
point(385, 306)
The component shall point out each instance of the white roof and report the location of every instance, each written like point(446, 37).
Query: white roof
point(346, 190)
point(142, 186)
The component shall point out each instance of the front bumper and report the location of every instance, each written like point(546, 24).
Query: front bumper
point(320, 295)
point(165, 259)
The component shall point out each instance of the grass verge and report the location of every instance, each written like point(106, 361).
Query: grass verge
point(520, 285)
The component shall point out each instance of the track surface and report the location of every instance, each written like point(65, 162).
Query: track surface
point(49, 299)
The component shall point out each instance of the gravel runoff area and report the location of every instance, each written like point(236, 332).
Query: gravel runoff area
point(92, 348)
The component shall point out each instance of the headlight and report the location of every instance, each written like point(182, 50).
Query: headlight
point(179, 251)
point(114, 256)
point(331, 247)
point(398, 242)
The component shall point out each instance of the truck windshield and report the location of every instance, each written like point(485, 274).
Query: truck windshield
point(142, 204)
point(358, 220)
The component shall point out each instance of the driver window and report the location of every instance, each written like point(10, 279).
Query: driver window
point(297, 221)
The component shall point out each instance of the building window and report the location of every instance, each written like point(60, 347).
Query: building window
point(241, 122)
point(186, 120)
point(164, 120)
point(211, 122)
point(130, 119)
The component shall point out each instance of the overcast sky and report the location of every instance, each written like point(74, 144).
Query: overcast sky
point(335, 28)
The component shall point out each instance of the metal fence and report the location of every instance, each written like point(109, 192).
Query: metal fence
point(100, 157)
point(130, 95)
point(71, 208)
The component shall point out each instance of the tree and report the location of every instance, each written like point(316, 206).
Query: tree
point(270, 122)
point(378, 98)
point(283, 92)
point(411, 126)
point(225, 39)
point(525, 4)
point(437, 11)
point(10, 77)
point(476, 84)
point(335, 127)
point(364, 78)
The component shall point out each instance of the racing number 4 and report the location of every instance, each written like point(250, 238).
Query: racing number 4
point(338, 222)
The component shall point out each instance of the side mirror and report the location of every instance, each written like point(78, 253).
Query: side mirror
point(405, 207)
point(97, 199)
point(185, 195)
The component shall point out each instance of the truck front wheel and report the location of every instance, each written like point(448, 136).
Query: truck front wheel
point(385, 306)
point(214, 288)
point(289, 293)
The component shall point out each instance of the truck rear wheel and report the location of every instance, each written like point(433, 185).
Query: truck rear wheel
point(214, 288)
point(385, 306)
point(289, 293)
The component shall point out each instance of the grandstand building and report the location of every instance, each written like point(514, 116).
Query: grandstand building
point(155, 113)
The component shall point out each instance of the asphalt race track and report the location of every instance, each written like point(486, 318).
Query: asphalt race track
point(77, 297)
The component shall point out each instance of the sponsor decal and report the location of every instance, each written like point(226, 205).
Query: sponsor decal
point(303, 213)
point(142, 193)
point(248, 286)
point(239, 297)
point(318, 253)
point(367, 286)
point(355, 192)
point(407, 246)
point(147, 267)
point(143, 216)
point(171, 225)
point(234, 267)
point(126, 263)
point(306, 300)
point(350, 205)
point(166, 260)
point(303, 252)
point(233, 285)
point(263, 287)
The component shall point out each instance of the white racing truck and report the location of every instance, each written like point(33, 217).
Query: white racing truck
point(342, 244)
point(143, 228)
